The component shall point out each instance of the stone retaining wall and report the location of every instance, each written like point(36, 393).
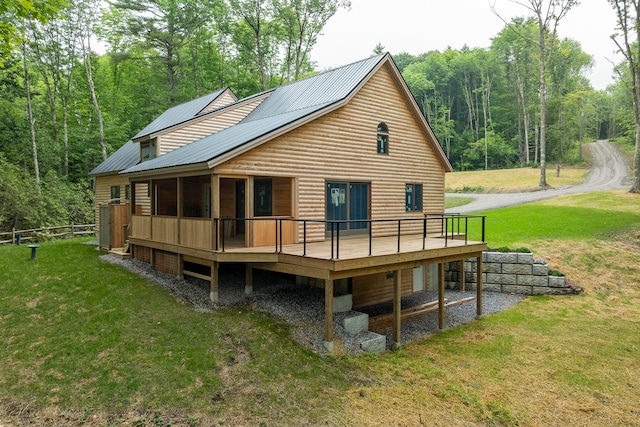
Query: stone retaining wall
point(508, 273)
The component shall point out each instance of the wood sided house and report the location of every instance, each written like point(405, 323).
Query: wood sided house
point(337, 178)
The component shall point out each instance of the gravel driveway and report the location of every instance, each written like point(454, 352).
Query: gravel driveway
point(609, 172)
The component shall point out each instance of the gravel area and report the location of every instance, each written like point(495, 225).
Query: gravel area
point(303, 306)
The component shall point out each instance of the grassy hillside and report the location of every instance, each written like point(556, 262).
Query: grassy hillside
point(88, 344)
point(511, 180)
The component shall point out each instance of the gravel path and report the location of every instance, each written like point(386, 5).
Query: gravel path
point(303, 306)
point(609, 172)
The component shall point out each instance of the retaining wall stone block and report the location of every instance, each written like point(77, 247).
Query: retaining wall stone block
point(556, 282)
point(540, 269)
point(517, 269)
point(525, 258)
point(511, 258)
point(518, 289)
point(533, 280)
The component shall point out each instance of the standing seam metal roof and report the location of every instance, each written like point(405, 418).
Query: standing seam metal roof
point(179, 113)
point(126, 156)
point(284, 106)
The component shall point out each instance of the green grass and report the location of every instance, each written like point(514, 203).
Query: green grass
point(520, 225)
point(90, 339)
point(453, 202)
point(81, 333)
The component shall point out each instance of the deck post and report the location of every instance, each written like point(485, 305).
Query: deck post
point(397, 309)
point(248, 286)
point(462, 278)
point(214, 282)
point(479, 286)
point(328, 314)
point(441, 296)
point(180, 275)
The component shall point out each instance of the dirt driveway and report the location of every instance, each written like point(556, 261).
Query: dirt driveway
point(609, 172)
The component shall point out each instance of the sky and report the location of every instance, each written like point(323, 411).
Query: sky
point(419, 26)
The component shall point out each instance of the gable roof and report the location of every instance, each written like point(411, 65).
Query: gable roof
point(179, 113)
point(285, 107)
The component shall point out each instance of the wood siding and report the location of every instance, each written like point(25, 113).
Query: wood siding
point(341, 146)
point(103, 191)
point(377, 288)
point(196, 233)
point(224, 99)
point(208, 125)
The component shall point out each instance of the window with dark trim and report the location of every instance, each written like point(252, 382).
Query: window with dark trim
point(115, 194)
point(127, 192)
point(413, 197)
point(262, 197)
point(383, 138)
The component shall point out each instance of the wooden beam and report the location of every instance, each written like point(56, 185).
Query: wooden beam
point(328, 314)
point(479, 285)
point(462, 278)
point(214, 283)
point(180, 274)
point(441, 296)
point(397, 308)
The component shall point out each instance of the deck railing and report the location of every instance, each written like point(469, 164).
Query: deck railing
point(450, 226)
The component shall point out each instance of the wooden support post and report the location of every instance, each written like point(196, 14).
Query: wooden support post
point(328, 314)
point(479, 286)
point(397, 309)
point(180, 274)
point(462, 278)
point(248, 286)
point(441, 296)
point(214, 282)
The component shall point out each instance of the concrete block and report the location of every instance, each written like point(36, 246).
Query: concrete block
point(492, 267)
point(357, 323)
point(557, 281)
point(374, 343)
point(517, 289)
point(525, 258)
point(542, 290)
point(502, 279)
point(533, 280)
point(489, 287)
point(342, 303)
point(540, 270)
point(508, 257)
point(517, 268)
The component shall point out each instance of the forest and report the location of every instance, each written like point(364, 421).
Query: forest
point(78, 78)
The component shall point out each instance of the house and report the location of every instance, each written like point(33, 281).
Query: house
point(337, 177)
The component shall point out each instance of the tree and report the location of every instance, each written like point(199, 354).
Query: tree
point(627, 39)
point(548, 14)
point(16, 11)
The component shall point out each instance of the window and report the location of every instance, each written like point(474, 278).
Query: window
point(262, 197)
point(127, 192)
point(115, 194)
point(413, 197)
point(383, 139)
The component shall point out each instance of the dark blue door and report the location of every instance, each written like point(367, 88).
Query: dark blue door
point(348, 201)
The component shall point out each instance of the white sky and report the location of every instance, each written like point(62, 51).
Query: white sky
point(419, 26)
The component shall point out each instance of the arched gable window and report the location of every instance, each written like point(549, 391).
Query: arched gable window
point(383, 138)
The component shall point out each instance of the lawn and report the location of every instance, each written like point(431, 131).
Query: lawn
point(87, 343)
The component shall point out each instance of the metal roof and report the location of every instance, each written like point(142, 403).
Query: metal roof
point(179, 114)
point(285, 105)
point(126, 156)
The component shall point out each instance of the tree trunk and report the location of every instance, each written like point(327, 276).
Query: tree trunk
point(32, 127)
point(543, 109)
point(87, 65)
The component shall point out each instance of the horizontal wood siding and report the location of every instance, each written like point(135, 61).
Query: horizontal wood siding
point(103, 191)
point(143, 201)
point(377, 288)
point(341, 146)
point(224, 99)
point(208, 125)
point(196, 233)
point(282, 197)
